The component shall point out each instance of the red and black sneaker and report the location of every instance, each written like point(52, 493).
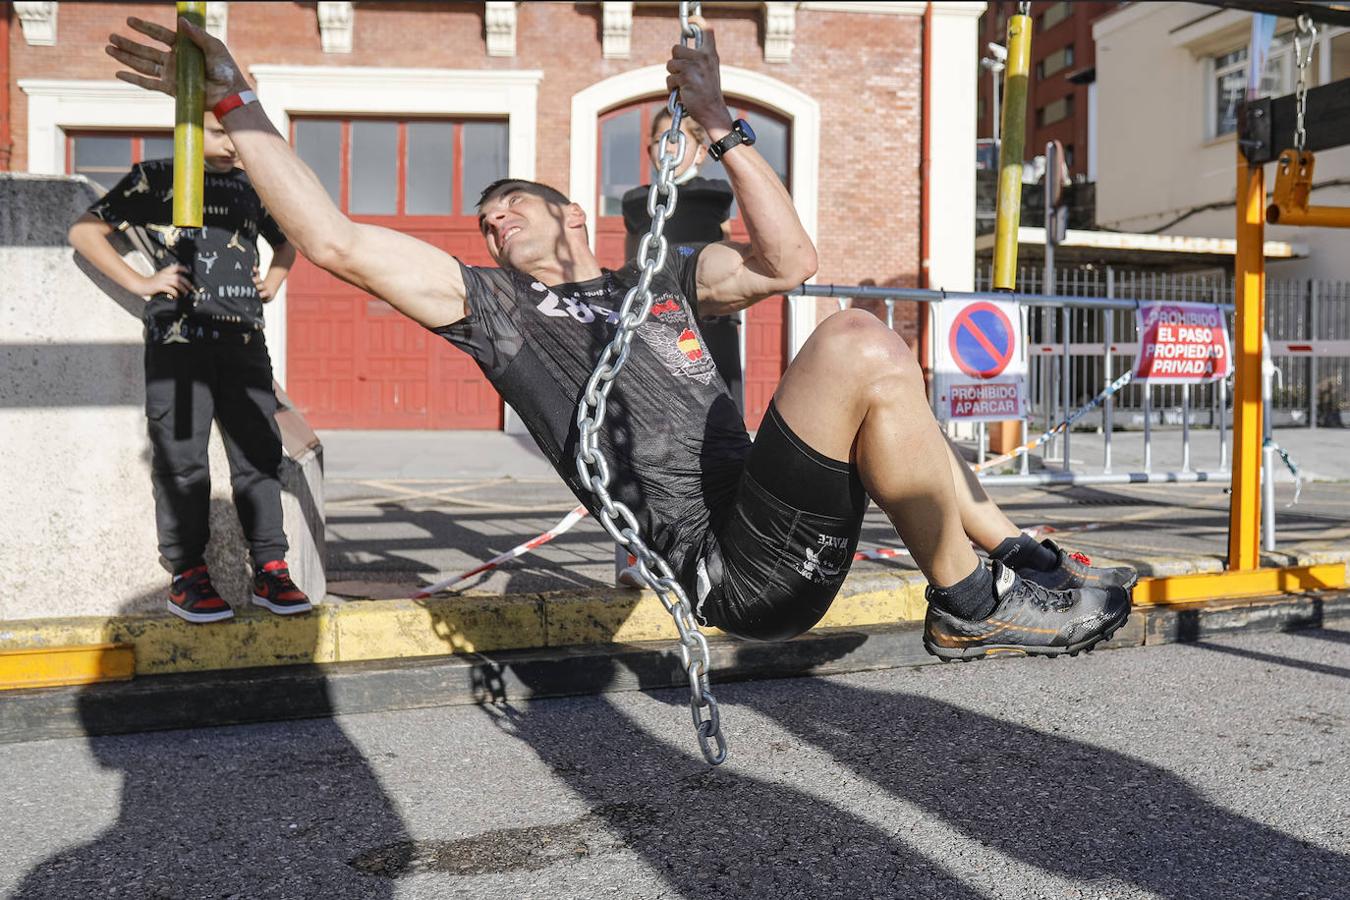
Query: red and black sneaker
point(273, 589)
point(193, 597)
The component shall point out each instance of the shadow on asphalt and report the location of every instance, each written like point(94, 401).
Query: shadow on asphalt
point(1305, 665)
point(1071, 809)
point(239, 813)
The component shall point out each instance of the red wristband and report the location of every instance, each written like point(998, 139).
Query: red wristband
point(233, 102)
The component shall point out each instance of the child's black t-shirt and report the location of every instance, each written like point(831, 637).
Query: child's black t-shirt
point(220, 256)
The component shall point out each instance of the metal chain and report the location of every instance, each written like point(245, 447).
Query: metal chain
point(1306, 30)
point(1024, 8)
point(616, 517)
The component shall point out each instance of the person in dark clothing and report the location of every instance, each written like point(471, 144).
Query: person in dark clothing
point(702, 216)
point(761, 534)
point(205, 359)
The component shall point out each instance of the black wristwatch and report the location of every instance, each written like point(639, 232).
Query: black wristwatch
point(740, 133)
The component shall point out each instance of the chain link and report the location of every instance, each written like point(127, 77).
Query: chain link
point(1024, 8)
point(614, 516)
point(1306, 31)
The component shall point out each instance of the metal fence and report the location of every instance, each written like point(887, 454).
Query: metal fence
point(1307, 323)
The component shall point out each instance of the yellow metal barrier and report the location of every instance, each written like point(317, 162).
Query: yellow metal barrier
point(1230, 585)
point(1293, 189)
point(1244, 511)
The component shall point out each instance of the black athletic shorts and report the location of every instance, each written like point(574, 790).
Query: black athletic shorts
point(776, 559)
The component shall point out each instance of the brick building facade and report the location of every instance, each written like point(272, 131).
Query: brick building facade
point(844, 79)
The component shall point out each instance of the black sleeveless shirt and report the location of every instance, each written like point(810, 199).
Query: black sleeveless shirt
point(674, 440)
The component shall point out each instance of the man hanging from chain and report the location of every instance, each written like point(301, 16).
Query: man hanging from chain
point(760, 534)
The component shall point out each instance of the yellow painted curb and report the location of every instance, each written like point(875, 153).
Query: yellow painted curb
point(53, 666)
point(400, 629)
point(394, 629)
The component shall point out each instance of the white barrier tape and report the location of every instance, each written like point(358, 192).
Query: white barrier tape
point(567, 522)
point(1062, 426)
point(1291, 466)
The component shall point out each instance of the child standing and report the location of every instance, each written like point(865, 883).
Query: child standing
point(205, 359)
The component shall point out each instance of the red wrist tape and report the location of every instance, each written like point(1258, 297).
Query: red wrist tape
point(233, 102)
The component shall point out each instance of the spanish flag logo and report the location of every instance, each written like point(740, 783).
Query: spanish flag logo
point(690, 346)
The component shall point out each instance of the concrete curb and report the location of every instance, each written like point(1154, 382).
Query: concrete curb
point(201, 699)
point(401, 629)
point(356, 631)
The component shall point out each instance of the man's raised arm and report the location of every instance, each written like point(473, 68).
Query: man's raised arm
point(419, 280)
point(780, 255)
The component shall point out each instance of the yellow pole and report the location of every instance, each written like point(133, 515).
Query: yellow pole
point(1012, 136)
point(189, 162)
point(1244, 511)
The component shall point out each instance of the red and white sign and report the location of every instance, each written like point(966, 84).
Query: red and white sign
point(980, 360)
point(1182, 343)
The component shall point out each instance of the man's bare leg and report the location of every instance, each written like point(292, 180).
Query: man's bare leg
point(984, 522)
point(856, 392)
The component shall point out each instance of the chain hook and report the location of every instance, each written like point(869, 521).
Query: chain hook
point(1306, 30)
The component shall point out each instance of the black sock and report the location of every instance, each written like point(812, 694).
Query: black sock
point(1023, 552)
point(970, 598)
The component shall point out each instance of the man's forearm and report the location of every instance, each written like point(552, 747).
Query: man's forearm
point(289, 189)
point(777, 237)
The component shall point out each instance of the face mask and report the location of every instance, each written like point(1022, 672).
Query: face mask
point(691, 172)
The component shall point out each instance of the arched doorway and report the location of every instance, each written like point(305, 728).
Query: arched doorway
point(623, 163)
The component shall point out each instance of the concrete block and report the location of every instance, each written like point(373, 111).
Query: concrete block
point(77, 526)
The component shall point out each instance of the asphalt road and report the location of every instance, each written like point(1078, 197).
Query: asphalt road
point(1200, 770)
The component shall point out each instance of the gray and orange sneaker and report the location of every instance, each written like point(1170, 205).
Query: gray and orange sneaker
point(274, 590)
point(1075, 570)
point(1029, 619)
point(193, 597)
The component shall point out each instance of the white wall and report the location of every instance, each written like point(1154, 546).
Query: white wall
point(1155, 158)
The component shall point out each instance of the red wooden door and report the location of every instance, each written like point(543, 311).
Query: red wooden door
point(352, 360)
point(623, 163)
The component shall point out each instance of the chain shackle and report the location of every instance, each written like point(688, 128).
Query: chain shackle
point(1305, 39)
point(613, 515)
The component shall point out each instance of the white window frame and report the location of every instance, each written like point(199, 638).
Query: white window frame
point(1281, 55)
point(1213, 73)
point(801, 111)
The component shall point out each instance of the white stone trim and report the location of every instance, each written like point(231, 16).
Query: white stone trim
point(951, 175)
point(354, 90)
point(499, 28)
point(799, 108)
point(337, 24)
point(780, 24)
point(616, 29)
point(38, 21)
point(217, 19)
point(972, 8)
point(55, 105)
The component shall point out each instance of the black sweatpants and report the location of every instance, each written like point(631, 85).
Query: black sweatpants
point(186, 386)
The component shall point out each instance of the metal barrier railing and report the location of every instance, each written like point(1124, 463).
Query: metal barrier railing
point(1083, 333)
point(1057, 376)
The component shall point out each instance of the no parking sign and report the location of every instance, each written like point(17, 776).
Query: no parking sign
point(980, 366)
